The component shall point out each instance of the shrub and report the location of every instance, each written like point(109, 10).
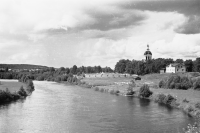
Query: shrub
point(196, 84)
point(172, 85)
point(168, 99)
point(186, 85)
point(177, 82)
point(160, 98)
point(145, 91)
point(30, 85)
point(22, 92)
point(96, 88)
point(177, 85)
point(130, 88)
point(161, 84)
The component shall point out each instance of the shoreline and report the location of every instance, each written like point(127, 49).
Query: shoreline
point(13, 90)
point(184, 105)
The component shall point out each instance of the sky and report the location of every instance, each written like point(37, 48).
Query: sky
point(63, 33)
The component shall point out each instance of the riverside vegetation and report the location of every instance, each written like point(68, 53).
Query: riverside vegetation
point(7, 96)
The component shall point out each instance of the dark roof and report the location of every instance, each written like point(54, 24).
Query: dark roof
point(148, 52)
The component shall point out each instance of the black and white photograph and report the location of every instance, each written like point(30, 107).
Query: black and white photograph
point(99, 66)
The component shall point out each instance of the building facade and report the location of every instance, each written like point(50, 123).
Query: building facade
point(176, 68)
point(148, 54)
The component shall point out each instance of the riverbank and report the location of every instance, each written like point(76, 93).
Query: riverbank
point(12, 90)
point(186, 100)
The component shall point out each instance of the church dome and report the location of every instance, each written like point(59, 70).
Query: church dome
point(148, 52)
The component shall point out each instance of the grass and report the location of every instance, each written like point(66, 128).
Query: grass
point(12, 85)
point(105, 81)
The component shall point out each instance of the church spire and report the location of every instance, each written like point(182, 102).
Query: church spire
point(148, 47)
point(148, 54)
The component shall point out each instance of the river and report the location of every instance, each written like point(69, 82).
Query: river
point(58, 108)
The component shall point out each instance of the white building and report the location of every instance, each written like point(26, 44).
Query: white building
point(175, 68)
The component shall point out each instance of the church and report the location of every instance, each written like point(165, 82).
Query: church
point(171, 68)
point(148, 54)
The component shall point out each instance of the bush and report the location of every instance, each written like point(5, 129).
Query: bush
point(177, 82)
point(22, 92)
point(30, 85)
point(58, 79)
point(160, 98)
point(172, 85)
point(130, 88)
point(196, 84)
point(145, 91)
point(186, 85)
point(166, 99)
point(161, 84)
point(178, 86)
point(96, 88)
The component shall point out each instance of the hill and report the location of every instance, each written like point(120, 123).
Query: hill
point(22, 66)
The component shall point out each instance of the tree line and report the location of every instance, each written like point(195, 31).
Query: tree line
point(53, 74)
point(153, 66)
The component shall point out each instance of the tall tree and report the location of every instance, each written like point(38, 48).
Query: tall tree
point(179, 61)
point(196, 66)
point(188, 65)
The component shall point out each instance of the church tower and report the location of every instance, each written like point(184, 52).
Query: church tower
point(148, 54)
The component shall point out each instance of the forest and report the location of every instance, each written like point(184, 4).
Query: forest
point(153, 66)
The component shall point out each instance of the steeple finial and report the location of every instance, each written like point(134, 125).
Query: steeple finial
point(147, 46)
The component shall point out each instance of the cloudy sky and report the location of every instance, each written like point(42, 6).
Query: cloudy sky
point(97, 32)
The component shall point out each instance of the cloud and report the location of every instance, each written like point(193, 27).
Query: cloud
point(190, 26)
point(189, 8)
point(114, 19)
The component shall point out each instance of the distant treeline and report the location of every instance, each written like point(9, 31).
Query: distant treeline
point(21, 66)
point(52, 74)
point(153, 66)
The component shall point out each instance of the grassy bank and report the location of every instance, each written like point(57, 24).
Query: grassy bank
point(12, 85)
point(187, 100)
point(14, 90)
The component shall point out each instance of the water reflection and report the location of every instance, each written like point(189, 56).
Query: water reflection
point(144, 102)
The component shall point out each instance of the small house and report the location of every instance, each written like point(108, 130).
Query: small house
point(176, 68)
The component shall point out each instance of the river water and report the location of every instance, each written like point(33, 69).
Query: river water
point(58, 108)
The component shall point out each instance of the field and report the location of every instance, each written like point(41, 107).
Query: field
point(12, 85)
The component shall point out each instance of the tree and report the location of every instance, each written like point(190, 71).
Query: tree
point(196, 66)
point(188, 65)
point(67, 70)
point(120, 67)
point(179, 61)
point(74, 69)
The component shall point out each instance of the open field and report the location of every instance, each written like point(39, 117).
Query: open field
point(12, 85)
